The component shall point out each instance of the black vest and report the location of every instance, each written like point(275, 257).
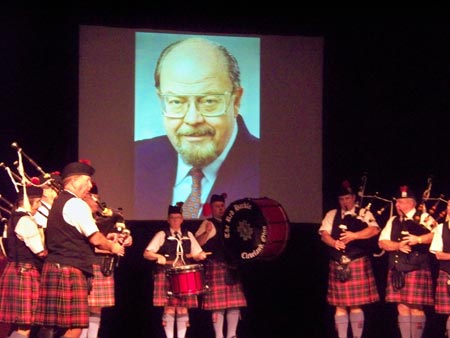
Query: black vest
point(65, 244)
point(354, 249)
point(215, 244)
point(419, 257)
point(169, 248)
point(17, 249)
point(445, 264)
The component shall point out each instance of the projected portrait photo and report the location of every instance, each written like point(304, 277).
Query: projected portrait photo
point(173, 116)
point(197, 119)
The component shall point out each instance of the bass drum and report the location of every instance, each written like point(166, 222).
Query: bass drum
point(254, 229)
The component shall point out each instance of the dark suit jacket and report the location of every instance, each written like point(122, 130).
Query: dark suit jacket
point(156, 165)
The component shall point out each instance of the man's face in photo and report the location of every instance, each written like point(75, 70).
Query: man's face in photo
point(193, 73)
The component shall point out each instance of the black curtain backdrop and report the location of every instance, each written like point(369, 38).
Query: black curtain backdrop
point(386, 106)
point(386, 81)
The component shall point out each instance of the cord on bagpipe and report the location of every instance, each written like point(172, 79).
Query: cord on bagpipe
point(435, 211)
point(429, 222)
point(373, 201)
point(24, 180)
point(46, 176)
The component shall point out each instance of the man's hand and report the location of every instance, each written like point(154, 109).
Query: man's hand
point(117, 249)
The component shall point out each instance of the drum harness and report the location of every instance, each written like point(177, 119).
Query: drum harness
point(180, 251)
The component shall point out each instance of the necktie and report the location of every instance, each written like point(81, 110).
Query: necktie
point(193, 202)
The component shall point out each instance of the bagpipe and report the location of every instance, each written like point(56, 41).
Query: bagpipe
point(6, 209)
point(376, 204)
point(424, 219)
point(22, 178)
point(437, 212)
point(111, 223)
point(109, 220)
point(372, 207)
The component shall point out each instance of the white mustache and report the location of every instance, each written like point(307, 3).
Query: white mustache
point(202, 131)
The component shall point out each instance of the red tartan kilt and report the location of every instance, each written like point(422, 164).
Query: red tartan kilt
point(418, 289)
point(63, 300)
point(219, 294)
point(442, 300)
point(4, 327)
point(19, 292)
point(360, 289)
point(102, 293)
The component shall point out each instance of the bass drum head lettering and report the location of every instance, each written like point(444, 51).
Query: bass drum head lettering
point(254, 229)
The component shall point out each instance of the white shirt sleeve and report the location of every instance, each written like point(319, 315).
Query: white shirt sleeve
point(385, 234)
point(202, 228)
point(42, 214)
point(156, 242)
point(27, 230)
point(327, 222)
point(76, 212)
point(437, 244)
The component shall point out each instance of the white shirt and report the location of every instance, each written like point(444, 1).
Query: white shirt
point(386, 232)
point(77, 213)
point(27, 231)
point(437, 244)
point(159, 238)
point(42, 214)
point(202, 228)
point(363, 215)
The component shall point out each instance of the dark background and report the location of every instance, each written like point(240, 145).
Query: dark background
point(385, 111)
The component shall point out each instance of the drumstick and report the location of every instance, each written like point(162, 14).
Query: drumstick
point(168, 262)
point(187, 255)
point(206, 253)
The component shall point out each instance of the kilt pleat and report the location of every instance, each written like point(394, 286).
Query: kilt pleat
point(360, 289)
point(442, 297)
point(102, 293)
point(418, 289)
point(219, 294)
point(64, 297)
point(19, 293)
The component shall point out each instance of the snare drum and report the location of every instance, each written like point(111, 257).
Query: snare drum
point(254, 229)
point(186, 280)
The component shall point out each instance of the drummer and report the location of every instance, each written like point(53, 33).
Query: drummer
point(169, 248)
point(226, 293)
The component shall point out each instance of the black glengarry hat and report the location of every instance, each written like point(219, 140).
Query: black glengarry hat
point(77, 168)
point(218, 198)
point(345, 189)
point(175, 209)
point(405, 192)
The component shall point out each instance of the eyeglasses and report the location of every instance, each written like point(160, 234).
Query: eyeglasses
point(209, 105)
